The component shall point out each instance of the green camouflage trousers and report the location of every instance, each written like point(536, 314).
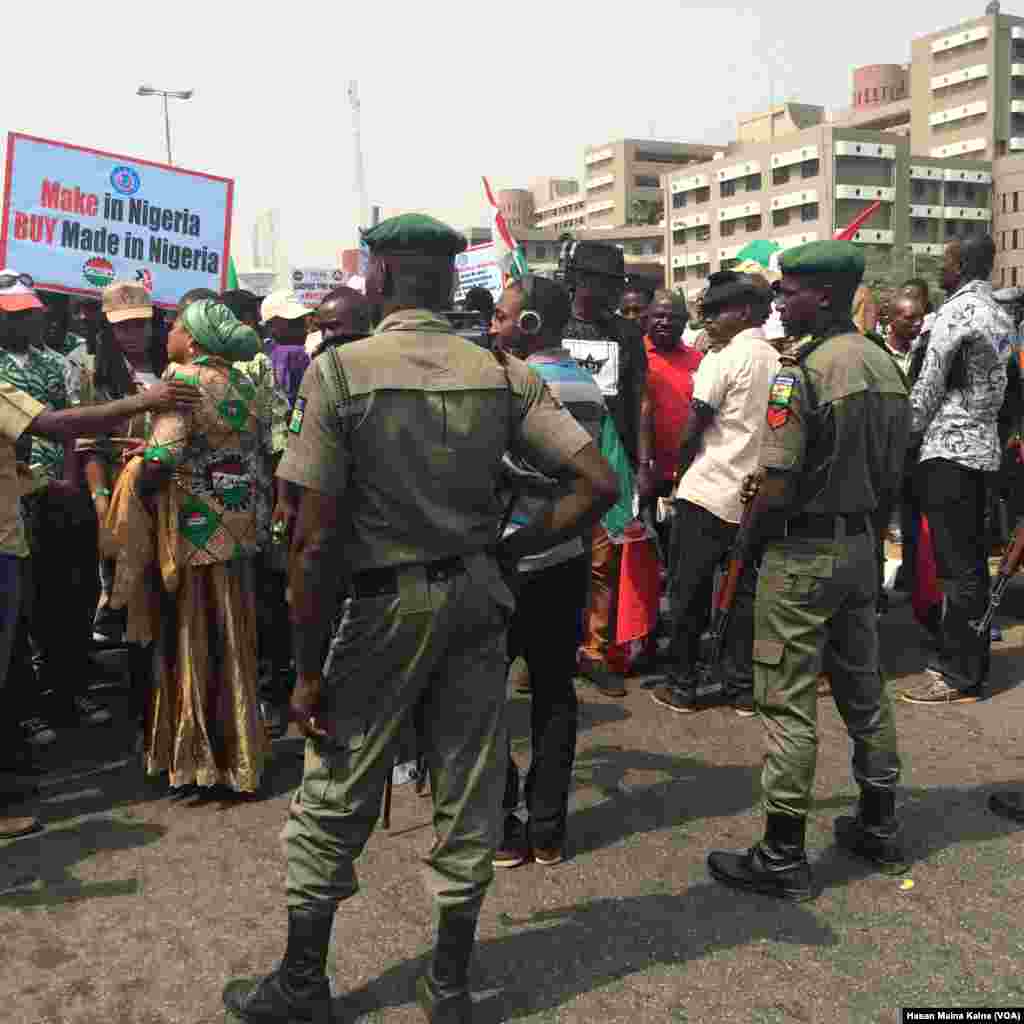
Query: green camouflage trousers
point(436, 648)
point(815, 612)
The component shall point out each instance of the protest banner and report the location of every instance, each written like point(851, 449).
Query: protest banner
point(311, 284)
point(77, 219)
point(478, 266)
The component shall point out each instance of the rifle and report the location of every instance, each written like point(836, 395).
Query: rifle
point(714, 641)
point(1007, 567)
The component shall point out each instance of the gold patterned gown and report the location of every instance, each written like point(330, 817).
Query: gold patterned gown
point(185, 574)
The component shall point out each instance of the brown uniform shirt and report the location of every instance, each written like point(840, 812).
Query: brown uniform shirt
point(839, 416)
point(17, 411)
point(415, 451)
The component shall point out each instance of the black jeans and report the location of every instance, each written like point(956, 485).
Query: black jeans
point(275, 630)
point(66, 591)
point(545, 630)
point(700, 540)
point(953, 498)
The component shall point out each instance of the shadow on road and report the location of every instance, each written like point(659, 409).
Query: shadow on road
point(551, 957)
point(36, 872)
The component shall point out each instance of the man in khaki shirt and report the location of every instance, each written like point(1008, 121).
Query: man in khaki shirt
point(21, 416)
point(396, 442)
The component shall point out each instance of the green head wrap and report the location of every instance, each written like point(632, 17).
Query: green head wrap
point(215, 329)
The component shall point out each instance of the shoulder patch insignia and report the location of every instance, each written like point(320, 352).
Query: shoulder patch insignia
point(295, 424)
point(779, 399)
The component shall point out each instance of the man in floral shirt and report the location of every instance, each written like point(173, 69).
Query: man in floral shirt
point(956, 402)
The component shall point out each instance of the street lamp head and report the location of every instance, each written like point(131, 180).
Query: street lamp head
point(145, 90)
point(184, 94)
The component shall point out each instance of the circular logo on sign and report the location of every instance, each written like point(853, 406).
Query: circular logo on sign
point(125, 180)
point(461, 260)
point(98, 271)
point(337, 275)
point(296, 275)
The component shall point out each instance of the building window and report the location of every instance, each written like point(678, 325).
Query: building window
point(679, 201)
point(702, 234)
point(1013, 240)
point(754, 223)
point(952, 190)
point(1004, 202)
point(917, 189)
point(874, 92)
point(809, 211)
point(702, 195)
point(541, 252)
point(780, 218)
point(810, 169)
point(646, 181)
point(1002, 242)
point(883, 92)
point(726, 228)
point(1016, 204)
point(727, 188)
point(1002, 277)
point(1013, 277)
point(780, 176)
point(679, 275)
point(753, 183)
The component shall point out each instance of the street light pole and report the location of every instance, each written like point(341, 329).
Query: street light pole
point(182, 94)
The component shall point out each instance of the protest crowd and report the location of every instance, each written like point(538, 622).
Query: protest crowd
point(368, 520)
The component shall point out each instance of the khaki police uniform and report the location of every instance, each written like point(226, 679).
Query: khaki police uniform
point(838, 422)
point(414, 451)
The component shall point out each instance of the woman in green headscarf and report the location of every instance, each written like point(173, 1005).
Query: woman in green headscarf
point(190, 507)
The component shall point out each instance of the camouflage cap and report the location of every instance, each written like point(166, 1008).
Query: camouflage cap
point(126, 300)
point(828, 257)
point(414, 231)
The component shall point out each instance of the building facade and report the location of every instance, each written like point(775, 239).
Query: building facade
point(806, 186)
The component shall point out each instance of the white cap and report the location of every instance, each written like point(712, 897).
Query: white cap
point(284, 304)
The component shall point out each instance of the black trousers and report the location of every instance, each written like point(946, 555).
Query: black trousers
point(66, 590)
point(545, 630)
point(700, 540)
point(275, 630)
point(954, 499)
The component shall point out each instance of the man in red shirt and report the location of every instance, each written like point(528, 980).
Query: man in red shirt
point(670, 369)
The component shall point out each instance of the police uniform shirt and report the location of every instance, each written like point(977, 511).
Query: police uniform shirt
point(416, 449)
point(840, 420)
point(17, 411)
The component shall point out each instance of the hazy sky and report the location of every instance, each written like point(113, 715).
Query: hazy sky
point(450, 90)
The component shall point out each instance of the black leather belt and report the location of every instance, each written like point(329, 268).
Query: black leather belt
point(825, 527)
point(380, 582)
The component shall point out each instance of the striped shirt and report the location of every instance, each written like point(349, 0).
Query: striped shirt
point(40, 375)
point(577, 390)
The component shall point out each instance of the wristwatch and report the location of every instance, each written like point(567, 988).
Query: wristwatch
point(101, 492)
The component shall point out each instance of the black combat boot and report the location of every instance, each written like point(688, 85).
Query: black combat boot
point(443, 992)
point(874, 833)
point(776, 866)
point(298, 991)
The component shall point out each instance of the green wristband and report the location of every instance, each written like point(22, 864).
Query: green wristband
point(101, 492)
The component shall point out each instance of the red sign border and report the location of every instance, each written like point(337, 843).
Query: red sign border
point(61, 289)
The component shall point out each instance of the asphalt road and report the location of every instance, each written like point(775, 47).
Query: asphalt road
point(134, 907)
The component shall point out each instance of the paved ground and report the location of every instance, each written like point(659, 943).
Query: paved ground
point(134, 908)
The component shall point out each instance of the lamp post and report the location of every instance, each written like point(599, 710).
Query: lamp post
point(182, 94)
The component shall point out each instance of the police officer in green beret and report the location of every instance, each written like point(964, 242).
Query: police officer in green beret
point(838, 424)
point(396, 443)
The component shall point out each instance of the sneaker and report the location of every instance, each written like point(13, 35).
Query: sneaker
point(275, 719)
point(38, 732)
point(884, 851)
point(606, 682)
point(935, 690)
point(676, 697)
point(548, 856)
point(110, 625)
point(89, 712)
point(1008, 804)
point(15, 828)
point(512, 851)
point(743, 705)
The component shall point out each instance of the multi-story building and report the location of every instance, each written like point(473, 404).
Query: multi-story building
point(805, 186)
point(622, 179)
point(967, 88)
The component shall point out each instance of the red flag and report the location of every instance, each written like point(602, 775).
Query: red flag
point(927, 595)
point(846, 234)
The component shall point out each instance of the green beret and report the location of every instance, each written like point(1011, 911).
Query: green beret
point(414, 231)
point(824, 258)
